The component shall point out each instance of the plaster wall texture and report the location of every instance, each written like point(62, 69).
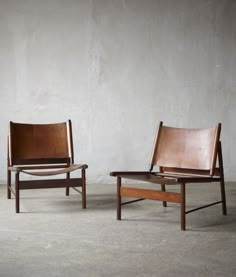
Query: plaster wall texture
point(116, 68)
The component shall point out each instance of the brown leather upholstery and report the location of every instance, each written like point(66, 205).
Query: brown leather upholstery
point(41, 141)
point(183, 156)
point(186, 148)
point(42, 150)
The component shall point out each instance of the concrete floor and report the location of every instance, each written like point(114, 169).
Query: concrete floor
point(53, 236)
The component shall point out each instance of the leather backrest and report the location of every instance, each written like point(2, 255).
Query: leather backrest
point(186, 148)
point(39, 143)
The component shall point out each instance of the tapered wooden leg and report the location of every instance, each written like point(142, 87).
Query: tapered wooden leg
point(67, 188)
point(223, 198)
point(118, 198)
point(83, 189)
point(8, 184)
point(222, 182)
point(183, 215)
point(17, 192)
point(163, 188)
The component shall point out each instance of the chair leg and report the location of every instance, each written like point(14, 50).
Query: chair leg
point(17, 192)
point(222, 182)
point(118, 198)
point(67, 188)
point(67, 191)
point(8, 184)
point(223, 198)
point(183, 214)
point(163, 188)
point(83, 189)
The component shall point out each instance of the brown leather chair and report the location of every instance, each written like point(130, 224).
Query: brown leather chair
point(42, 150)
point(183, 156)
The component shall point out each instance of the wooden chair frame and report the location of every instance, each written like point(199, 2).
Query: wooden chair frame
point(42, 150)
point(183, 156)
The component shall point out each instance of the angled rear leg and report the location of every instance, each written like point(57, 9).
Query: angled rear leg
point(222, 181)
point(223, 198)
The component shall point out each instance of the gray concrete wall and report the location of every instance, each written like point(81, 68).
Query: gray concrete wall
point(117, 68)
